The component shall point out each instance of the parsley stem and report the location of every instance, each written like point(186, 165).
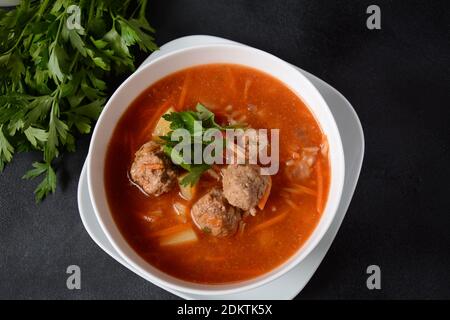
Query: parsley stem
point(90, 15)
point(142, 9)
point(42, 9)
point(74, 61)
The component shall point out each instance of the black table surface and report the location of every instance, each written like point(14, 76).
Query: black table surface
point(398, 80)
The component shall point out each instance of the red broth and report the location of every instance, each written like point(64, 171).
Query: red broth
point(268, 239)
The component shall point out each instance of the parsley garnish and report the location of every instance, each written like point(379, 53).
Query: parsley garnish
point(206, 230)
point(52, 76)
point(185, 120)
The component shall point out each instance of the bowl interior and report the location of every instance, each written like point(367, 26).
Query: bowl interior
point(181, 59)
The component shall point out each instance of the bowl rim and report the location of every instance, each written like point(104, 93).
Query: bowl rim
point(304, 250)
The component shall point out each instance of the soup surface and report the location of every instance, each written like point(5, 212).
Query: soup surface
point(264, 240)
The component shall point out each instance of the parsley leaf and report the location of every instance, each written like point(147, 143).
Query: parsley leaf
point(186, 120)
point(48, 184)
point(35, 135)
point(194, 174)
point(6, 150)
point(207, 117)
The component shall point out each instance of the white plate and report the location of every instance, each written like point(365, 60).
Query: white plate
point(289, 285)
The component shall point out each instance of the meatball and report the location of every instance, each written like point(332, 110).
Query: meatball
point(152, 170)
point(243, 185)
point(214, 215)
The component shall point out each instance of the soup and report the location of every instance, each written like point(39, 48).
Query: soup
point(213, 230)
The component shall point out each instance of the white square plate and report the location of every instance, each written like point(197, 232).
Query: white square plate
point(289, 285)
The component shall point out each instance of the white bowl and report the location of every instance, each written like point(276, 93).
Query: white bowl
point(178, 60)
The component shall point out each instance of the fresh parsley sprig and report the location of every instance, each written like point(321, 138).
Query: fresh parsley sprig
point(186, 120)
point(52, 75)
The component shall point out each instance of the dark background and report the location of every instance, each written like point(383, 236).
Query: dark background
point(398, 80)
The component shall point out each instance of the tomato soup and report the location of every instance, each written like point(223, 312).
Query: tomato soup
point(265, 239)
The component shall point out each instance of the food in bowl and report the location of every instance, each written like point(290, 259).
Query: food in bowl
point(216, 224)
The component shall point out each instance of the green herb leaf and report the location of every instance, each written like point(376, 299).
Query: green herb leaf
point(39, 168)
point(186, 120)
point(54, 63)
point(194, 174)
point(34, 135)
point(47, 185)
point(206, 230)
point(6, 150)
